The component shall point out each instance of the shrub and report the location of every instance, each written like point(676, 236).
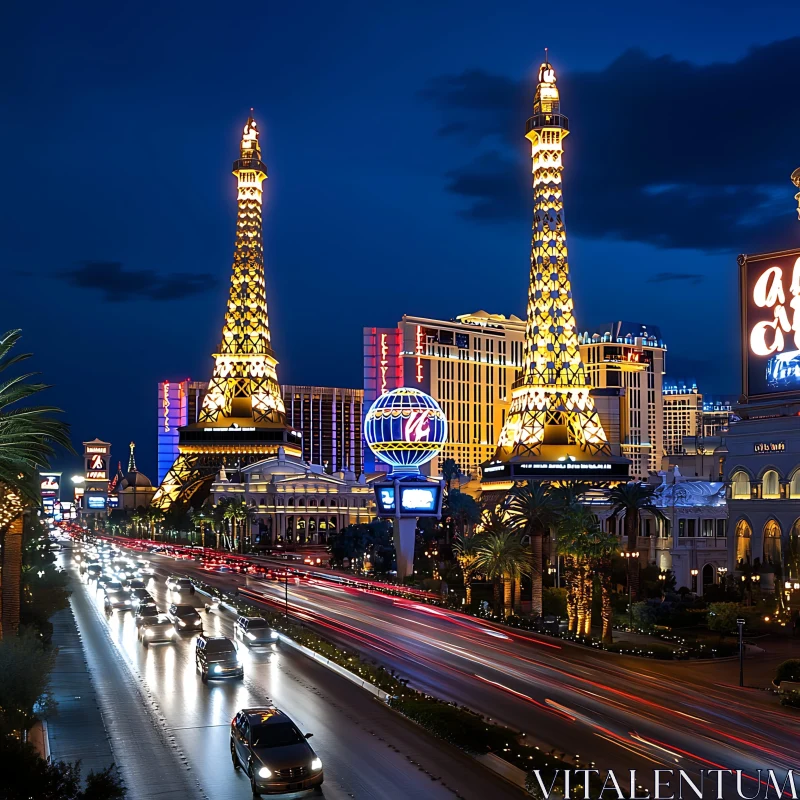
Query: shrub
point(788, 671)
point(554, 602)
point(722, 617)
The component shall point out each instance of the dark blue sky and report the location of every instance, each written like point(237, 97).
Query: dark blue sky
point(399, 177)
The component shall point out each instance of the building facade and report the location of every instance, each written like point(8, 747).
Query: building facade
point(467, 364)
point(297, 503)
point(629, 357)
point(329, 419)
point(683, 415)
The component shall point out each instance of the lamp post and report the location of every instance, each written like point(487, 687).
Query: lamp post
point(694, 579)
point(630, 554)
point(740, 623)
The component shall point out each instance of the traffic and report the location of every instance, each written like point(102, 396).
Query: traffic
point(264, 741)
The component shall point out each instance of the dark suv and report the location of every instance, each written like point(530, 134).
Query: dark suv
point(277, 757)
point(186, 619)
point(216, 657)
point(254, 631)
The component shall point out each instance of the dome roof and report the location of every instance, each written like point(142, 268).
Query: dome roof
point(135, 480)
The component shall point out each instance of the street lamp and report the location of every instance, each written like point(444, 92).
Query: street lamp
point(740, 623)
point(630, 554)
point(694, 579)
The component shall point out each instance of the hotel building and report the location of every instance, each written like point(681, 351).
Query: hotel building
point(467, 364)
point(328, 417)
point(628, 358)
point(683, 415)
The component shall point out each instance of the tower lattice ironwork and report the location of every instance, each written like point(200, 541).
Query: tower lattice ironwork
point(550, 402)
point(242, 418)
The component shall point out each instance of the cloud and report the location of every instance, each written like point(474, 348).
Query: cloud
point(120, 285)
point(661, 151)
point(689, 277)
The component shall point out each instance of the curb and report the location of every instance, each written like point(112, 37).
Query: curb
point(315, 656)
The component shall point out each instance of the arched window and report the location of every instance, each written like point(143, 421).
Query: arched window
point(708, 575)
point(794, 486)
point(312, 502)
point(793, 556)
point(740, 486)
point(743, 535)
point(770, 485)
point(302, 502)
point(772, 543)
point(333, 502)
point(290, 502)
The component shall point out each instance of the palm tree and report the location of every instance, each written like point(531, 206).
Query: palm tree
point(465, 548)
point(463, 510)
point(631, 499)
point(450, 470)
point(575, 526)
point(155, 517)
point(501, 557)
point(238, 512)
point(28, 437)
point(531, 510)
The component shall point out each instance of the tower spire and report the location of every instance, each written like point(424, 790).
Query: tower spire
point(552, 414)
point(243, 417)
point(132, 458)
point(245, 383)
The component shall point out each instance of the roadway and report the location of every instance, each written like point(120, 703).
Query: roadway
point(368, 751)
point(619, 712)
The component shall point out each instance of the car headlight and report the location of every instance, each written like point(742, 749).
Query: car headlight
point(274, 634)
point(217, 668)
point(127, 602)
point(148, 632)
point(181, 623)
point(197, 621)
point(172, 632)
point(238, 662)
point(265, 772)
point(250, 636)
point(316, 764)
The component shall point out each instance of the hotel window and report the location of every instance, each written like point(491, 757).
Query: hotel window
point(708, 527)
point(740, 486)
point(770, 485)
point(794, 486)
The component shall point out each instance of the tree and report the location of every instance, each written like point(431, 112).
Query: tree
point(631, 499)
point(587, 550)
point(722, 617)
point(501, 557)
point(355, 542)
point(239, 513)
point(465, 548)
point(531, 510)
point(28, 437)
point(463, 510)
point(450, 470)
point(155, 517)
point(27, 775)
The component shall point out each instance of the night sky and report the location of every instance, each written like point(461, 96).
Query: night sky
point(399, 177)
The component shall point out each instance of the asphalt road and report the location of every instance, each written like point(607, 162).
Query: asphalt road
point(367, 750)
point(621, 713)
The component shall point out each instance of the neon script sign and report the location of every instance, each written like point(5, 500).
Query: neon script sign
point(384, 360)
point(769, 336)
point(419, 349)
point(165, 405)
point(417, 427)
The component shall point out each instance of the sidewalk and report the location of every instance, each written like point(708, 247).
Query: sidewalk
point(76, 730)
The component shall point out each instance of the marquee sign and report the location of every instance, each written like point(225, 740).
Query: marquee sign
point(769, 447)
point(770, 309)
point(553, 470)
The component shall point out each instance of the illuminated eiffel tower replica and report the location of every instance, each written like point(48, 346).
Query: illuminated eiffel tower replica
point(552, 429)
point(243, 417)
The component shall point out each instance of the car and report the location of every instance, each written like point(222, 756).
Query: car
point(140, 596)
point(159, 629)
point(177, 584)
point(115, 585)
point(94, 570)
point(120, 600)
point(143, 612)
point(277, 757)
point(186, 619)
point(254, 631)
point(216, 657)
point(104, 578)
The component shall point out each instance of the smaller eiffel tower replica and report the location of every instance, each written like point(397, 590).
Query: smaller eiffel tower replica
point(243, 418)
point(552, 419)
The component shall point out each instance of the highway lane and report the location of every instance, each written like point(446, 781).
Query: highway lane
point(367, 750)
point(615, 711)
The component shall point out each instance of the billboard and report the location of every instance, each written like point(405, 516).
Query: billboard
point(50, 484)
point(769, 293)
